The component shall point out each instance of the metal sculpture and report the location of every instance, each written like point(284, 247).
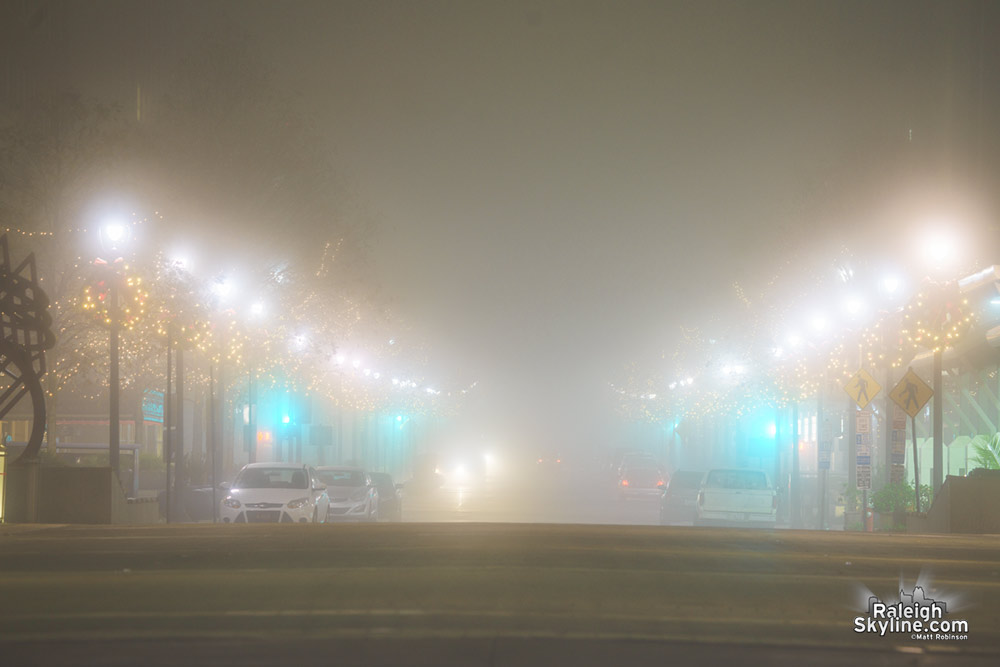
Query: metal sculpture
point(25, 335)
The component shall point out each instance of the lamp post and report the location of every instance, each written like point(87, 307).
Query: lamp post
point(222, 289)
point(256, 312)
point(114, 236)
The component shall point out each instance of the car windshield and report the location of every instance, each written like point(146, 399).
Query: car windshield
point(642, 474)
point(686, 479)
point(272, 478)
point(736, 479)
point(638, 460)
point(383, 481)
point(341, 477)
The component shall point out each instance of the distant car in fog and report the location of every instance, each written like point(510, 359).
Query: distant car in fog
point(637, 460)
point(390, 500)
point(641, 482)
point(736, 497)
point(618, 458)
point(680, 496)
point(275, 493)
point(545, 460)
point(353, 495)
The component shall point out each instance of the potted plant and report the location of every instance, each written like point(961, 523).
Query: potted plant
point(852, 509)
point(890, 503)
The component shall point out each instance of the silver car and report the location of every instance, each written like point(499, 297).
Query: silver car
point(353, 495)
point(274, 493)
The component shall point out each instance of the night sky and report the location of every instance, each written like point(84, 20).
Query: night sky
point(555, 187)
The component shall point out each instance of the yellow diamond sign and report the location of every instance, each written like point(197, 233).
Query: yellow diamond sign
point(911, 393)
point(862, 388)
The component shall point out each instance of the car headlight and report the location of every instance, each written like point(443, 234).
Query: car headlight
point(231, 503)
point(298, 503)
point(359, 494)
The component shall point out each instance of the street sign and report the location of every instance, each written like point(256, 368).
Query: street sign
point(863, 421)
point(911, 393)
point(826, 434)
point(898, 449)
point(898, 418)
point(862, 388)
point(864, 473)
point(824, 459)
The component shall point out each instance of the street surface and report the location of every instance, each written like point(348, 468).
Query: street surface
point(475, 593)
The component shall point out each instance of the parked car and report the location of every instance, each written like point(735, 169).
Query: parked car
point(637, 460)
point(680, 497)
point(390, 500)
point(641, 482)
point(274, 493)
point(353, 495)
point(737, 497)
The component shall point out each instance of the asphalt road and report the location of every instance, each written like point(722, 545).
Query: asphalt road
point(547, 568)
point(477, 593)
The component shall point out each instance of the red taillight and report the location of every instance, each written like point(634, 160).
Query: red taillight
point(558, 460)
point(540, 460)
point(624, 482)
point(660, 483)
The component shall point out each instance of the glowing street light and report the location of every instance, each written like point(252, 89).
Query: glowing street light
point(890, 284)
point(222, 287)
point(939, 248)
point(854, 307)
point(115, 235)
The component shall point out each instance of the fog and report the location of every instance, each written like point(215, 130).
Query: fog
point(556, 198)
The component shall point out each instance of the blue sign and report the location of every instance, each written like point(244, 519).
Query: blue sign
point(864, 460)
point(152, 406)
point(824, 460)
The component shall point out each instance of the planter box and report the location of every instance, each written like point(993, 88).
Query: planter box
point(916, 522)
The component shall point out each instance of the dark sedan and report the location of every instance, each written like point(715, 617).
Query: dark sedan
point(390, 500)
point(680, 497)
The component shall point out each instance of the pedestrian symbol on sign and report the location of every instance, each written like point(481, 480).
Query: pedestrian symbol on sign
point(911, 393)
point(862, 388)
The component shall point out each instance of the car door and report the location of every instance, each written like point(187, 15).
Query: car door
point(373, 496)
point(321, 498)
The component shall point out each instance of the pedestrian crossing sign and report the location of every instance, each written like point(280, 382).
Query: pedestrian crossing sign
point(911, 393)
point(862, 388)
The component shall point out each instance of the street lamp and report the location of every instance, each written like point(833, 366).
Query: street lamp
point(114, 236)
point(939, 248)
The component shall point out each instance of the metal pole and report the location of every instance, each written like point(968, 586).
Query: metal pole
point(938, 471)
point(777, 451)
point(916, 463)
point(795, 483)
point(180, 479)
point(887, 412)
point(252, 400)
point(114, 417)
point(213, 442)
point(822, 473)
point(168, 416)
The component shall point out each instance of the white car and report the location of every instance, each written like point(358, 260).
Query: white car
point(353, 495)
point(736, 497)
point(275, 493)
